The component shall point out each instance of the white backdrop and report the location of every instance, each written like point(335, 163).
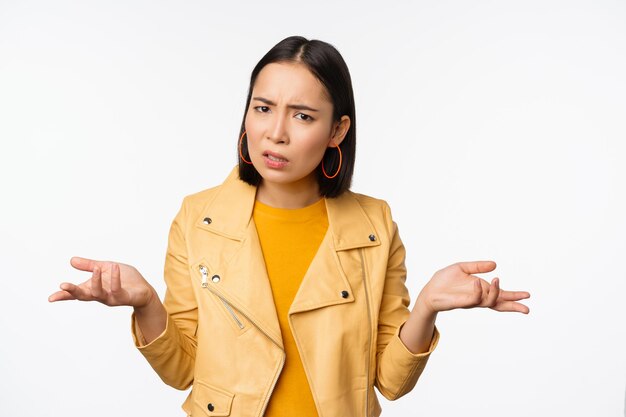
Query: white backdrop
point(495, 130)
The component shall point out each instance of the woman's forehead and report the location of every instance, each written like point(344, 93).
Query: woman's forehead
point(290, 82)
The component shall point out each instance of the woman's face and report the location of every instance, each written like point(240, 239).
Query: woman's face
point(289, 124)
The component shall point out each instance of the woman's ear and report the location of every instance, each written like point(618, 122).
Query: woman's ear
point(340, 129)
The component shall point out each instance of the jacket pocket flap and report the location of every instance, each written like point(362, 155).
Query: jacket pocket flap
point(212, 400)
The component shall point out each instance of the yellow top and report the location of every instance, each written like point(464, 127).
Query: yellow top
point(289, 239)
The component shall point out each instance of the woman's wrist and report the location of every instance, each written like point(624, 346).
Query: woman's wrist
point(151, 319)
point(153, 304)
point(417, 331)
point(424, 306)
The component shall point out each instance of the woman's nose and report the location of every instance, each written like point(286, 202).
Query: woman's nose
point(277, 131)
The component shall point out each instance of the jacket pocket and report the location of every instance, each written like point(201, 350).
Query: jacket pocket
point(211, 400)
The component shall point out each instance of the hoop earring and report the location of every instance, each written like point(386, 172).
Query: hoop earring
point(338, 168)
point(239, 146)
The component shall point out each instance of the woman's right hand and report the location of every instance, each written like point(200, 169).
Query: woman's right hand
point(111, 283)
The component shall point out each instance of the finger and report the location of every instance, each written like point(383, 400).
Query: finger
point(494, 291)
point(96, 283)
point(60, 296)
point(76, 291)
point(116, 283)
point(514, 295)
point(83, 264)
point(477, 267)
point(511, 306)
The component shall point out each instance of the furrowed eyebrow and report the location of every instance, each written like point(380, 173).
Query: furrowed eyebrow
point(291, 106)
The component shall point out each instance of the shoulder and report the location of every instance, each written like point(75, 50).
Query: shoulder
point(202, 197)
point(194, 206)
point(232, 189)
point(378, 211)
point(373, 207)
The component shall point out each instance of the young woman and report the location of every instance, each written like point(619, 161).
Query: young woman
point(285, 290)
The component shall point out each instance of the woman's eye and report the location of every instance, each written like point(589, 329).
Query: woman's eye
point(262, 109)
point(304, 117)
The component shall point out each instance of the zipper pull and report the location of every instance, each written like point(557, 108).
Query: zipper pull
point(205, 276)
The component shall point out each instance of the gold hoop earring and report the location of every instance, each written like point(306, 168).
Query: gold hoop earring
point(241, 153)
point(338, 168)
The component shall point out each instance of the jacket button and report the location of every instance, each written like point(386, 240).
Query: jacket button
point(344, 294)
point(372, 238)
point(207, 220)
point(210, 407)
point(215, 278)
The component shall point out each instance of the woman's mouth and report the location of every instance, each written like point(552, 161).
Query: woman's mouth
point(274, 160)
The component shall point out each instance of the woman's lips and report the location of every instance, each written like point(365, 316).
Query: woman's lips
point(274, 160)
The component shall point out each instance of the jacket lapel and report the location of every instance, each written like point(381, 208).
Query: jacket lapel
point(325, 280)
point(243, 279)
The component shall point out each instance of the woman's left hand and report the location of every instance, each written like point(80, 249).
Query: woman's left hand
point(455, 287)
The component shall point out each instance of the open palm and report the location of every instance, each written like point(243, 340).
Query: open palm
point(111, 283)
point(455, 287)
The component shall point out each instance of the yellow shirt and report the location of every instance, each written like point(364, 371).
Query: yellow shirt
point(289, 239)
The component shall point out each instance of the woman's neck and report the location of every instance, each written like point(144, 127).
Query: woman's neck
point(290, 196)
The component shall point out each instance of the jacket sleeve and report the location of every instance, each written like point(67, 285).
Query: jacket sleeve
point(172, 354)
point(397, 369)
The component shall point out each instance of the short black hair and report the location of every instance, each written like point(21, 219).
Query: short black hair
point(327, 65)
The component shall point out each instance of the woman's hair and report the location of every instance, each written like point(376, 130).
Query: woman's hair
point(327, 65)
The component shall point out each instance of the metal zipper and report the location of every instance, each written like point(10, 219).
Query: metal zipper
point(205, 276)
point(205, 284)
point(369, 345)
point(232, 313)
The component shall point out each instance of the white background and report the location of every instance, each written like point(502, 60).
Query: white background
point(495, 130)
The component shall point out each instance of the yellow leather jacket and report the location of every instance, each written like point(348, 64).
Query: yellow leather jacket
point(222, 334)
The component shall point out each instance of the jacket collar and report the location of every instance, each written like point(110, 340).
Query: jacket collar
point(230, 212)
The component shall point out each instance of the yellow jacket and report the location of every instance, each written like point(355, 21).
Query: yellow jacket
point(222, 332)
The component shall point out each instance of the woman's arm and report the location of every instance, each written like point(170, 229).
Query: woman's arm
point(397, 367)
point(163, 332)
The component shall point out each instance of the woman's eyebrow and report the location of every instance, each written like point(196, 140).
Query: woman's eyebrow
point(291, 106)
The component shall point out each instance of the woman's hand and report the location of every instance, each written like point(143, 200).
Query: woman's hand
point(455, 287)
point(111, 283)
